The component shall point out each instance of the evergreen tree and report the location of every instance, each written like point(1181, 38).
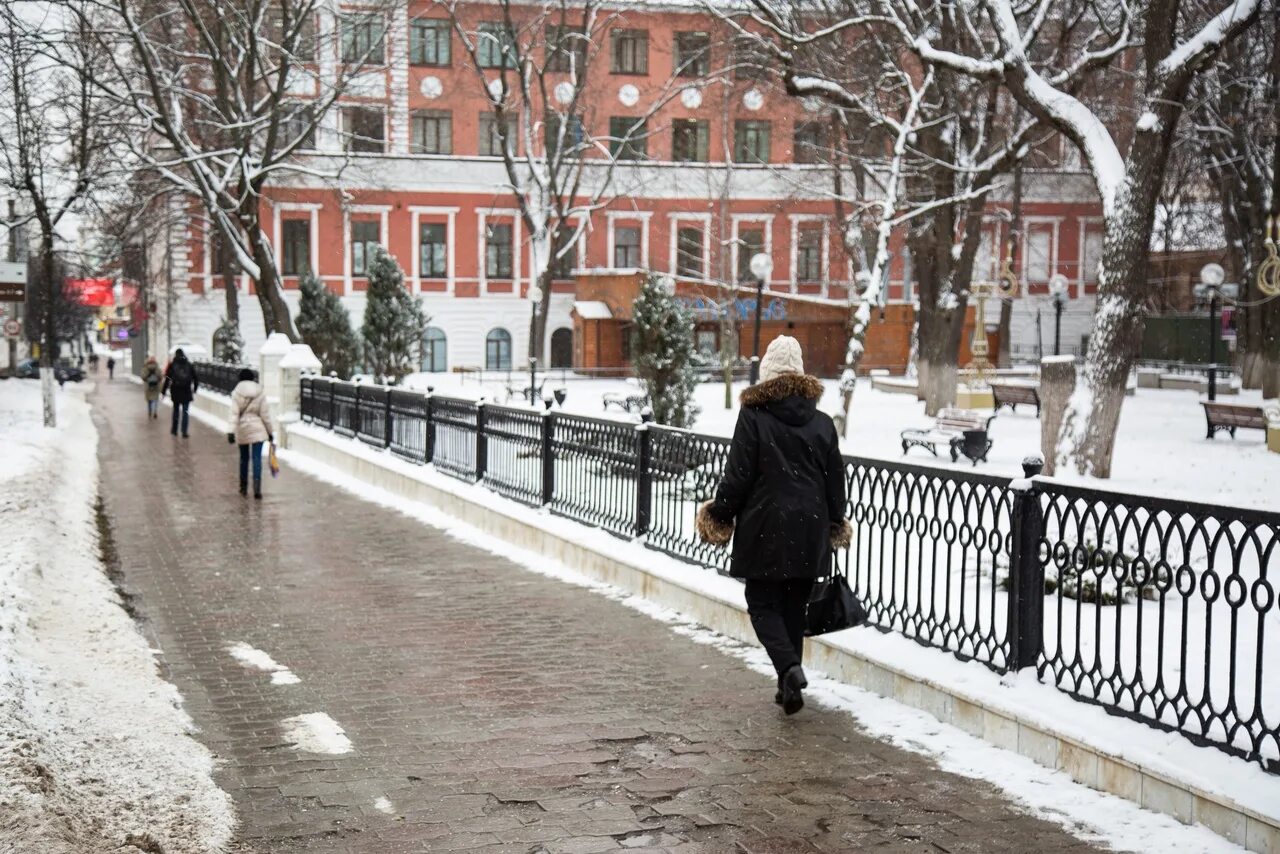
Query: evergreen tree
point(325, 327)
point(228, 346)
point(663, 353)
point(394, 322)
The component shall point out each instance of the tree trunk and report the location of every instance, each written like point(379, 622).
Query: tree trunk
point(1057, 384)
point(1005, 357)
point(48, 327)
point(230, 281)
point(275, 311)
point(941, 352)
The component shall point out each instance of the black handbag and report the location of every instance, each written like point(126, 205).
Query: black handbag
point(832, 606)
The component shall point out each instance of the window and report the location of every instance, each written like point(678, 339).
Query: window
point(432, 132)
point(809, 144)
point(298, 122)
point(562, 348)
point(295, 246)
point(494, 138)
point(689, 252)
point(809, 254)
point(362, 38)
point(690, 140)
point(566, 49)
point(564, 259)
point(1039, 260)
point(628, 138)
point(751, 141)
point(365, 238)
point(630, 52)
point(298, 41)
point(626, 247)
point(692, 55)
point(429, 42)
point(435, 350)
point(573, 139)
point(707, 340)
point(1090, 256)
point(495, 45)
point(497, 350)
point(433, 251)
point(750, 59)
point(750, 244)
point(364, 129)
point(497, 249)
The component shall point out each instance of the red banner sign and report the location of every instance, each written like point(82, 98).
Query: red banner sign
point(93, 292)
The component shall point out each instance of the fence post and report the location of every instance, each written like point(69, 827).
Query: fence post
point(332, 383)
point(482, 443)
point(386, 423)
point(1025, 623)
point(429, 452)
point(548, 461)
point(644, 474)
point(359, 415)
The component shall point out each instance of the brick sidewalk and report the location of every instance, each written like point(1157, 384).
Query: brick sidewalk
point(489, 708)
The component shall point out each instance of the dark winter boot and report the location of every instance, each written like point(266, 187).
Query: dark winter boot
point(793, 681)
point(244, 486)
point(257, 487)
point(777, 698)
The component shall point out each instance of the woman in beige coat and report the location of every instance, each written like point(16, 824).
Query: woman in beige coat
point(151, 379)
point(251, 417)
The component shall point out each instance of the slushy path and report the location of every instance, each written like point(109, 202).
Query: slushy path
point(488, 708)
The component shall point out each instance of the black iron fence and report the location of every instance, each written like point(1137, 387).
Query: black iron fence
point(215, 376)
point(1160, 611)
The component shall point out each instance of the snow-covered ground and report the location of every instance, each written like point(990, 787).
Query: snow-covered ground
point(1161, 448)
point(96, 753)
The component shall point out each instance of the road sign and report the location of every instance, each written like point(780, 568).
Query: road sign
point(12, 328)
point(13, 281)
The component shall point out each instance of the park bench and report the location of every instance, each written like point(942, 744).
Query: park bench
point(1230, 416)
point(629, 402)
point(1011, 394)
point(963, 431)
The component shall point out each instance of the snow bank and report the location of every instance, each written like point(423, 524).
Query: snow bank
point(95, 749)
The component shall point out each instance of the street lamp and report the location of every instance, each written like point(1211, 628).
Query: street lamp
point(1212, 276)
point(535, 300)
point(1058, 288)
point(761, 268)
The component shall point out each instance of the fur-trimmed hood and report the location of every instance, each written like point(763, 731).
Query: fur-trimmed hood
point(791, 397)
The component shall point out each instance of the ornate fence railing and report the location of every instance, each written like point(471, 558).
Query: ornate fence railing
point(1157, 610)
point(215, 376)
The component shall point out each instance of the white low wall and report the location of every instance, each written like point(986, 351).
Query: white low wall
point(1235, 799)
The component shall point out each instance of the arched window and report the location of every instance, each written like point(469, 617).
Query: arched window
point(497, 350)
point(435, 350)
point(562, 348)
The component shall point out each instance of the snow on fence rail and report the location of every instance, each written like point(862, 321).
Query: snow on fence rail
point(1161, 611)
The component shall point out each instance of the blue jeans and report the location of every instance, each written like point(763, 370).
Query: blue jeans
point(254, 450)
point(180, 407)
point(152, 405)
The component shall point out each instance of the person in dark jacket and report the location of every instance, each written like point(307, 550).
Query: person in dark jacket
point(181, 384)
point(781, 500)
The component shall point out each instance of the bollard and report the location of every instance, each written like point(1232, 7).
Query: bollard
point(1025, 623)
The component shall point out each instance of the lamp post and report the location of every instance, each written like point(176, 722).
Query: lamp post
point(1212, 276)
point(1058, 287)
point(761, 268)
point(535, 300)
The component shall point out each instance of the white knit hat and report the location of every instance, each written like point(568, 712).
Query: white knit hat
point(782, 357)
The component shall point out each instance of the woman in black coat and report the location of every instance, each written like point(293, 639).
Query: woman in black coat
point(782, 502)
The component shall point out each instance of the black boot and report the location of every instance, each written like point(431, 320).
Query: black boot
point(257, 487)
point(777, 697)
point(244, 486)
point(792, 683)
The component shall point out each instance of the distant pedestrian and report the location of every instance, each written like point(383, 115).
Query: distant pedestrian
point(782, 501)
point(151, 379)
point(181, 384)
point(251, 418)
point(111, 367)
point(93, 362)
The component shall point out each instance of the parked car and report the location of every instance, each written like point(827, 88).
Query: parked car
point(64, 371)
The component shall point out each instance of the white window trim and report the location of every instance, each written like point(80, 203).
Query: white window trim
point(825, 273)
point(482, 256)
point(705, 220)
point(450, 238)
point(1085, 224)
point(736, 221)
point(640, 217)
point(313, 210)
point(384, 211)
point(1056, 228)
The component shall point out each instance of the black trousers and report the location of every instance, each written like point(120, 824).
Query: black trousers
point(777, 610)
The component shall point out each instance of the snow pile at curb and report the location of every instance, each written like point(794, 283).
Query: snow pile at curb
point(95, 749)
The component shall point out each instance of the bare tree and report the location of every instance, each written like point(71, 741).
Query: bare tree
point(534, 62)
point(229, 95)
point(1172, 43)
point(55, 142)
